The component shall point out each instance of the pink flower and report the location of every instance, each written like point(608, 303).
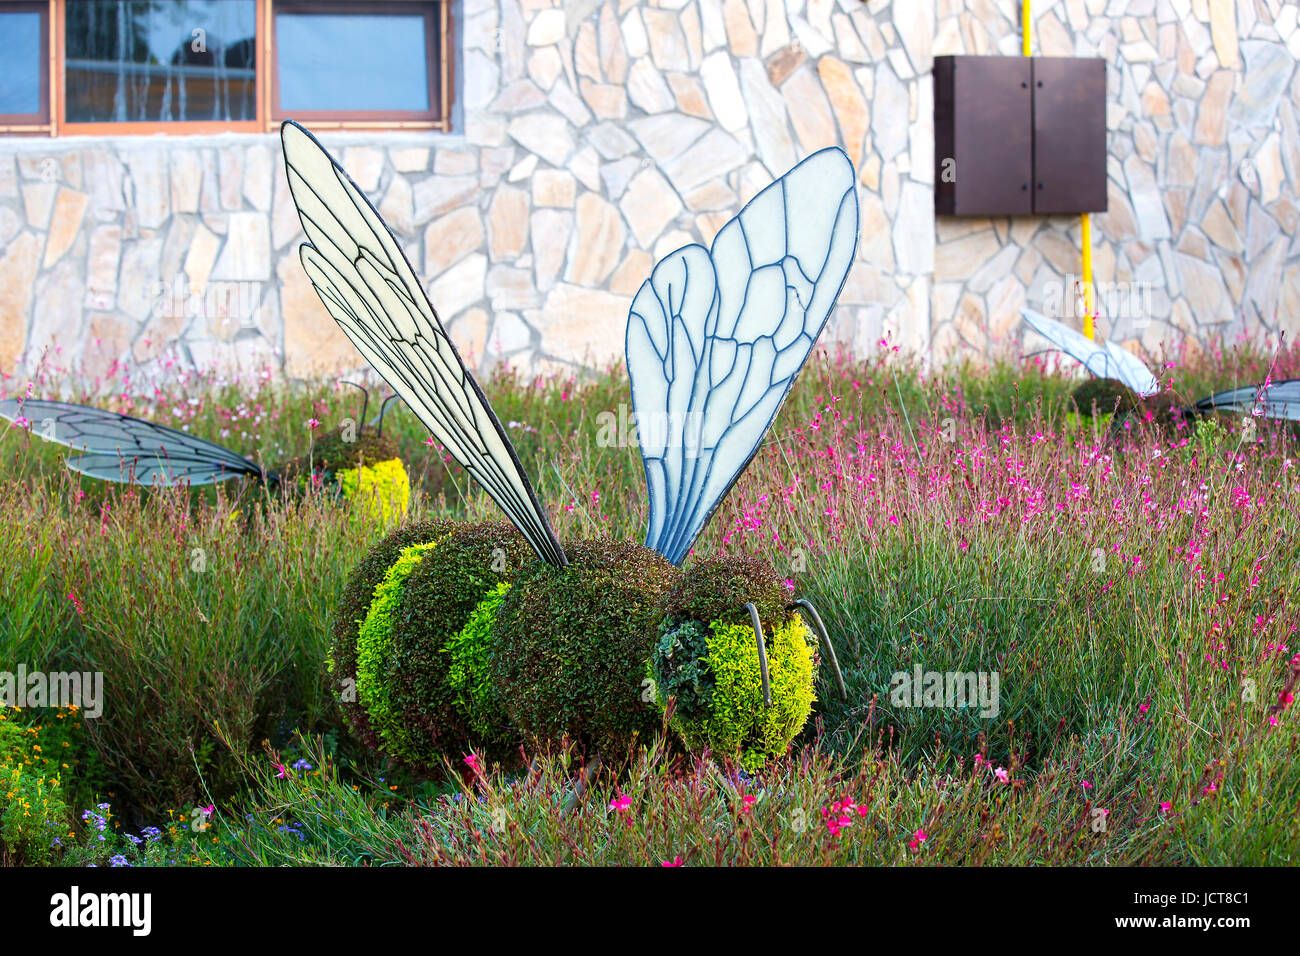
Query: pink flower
point(429, 440)
point(1165, 806)
point(283, 772)
point(313, 423)
point(918, 838)
point(1087, 785)
point(621, 802)
point(837, 823)
point(675, 861)
point(472, 760)
point(747, 802)
point(1001, 774)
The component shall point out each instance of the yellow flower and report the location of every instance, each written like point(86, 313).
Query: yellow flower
point(384, 486)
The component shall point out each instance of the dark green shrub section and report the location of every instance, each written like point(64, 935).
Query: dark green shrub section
point(706, 659)
point(438, 599)
point(353, 604)
point(330, 453)
point(717, 588)
point(1104, 396)
point(570, 646)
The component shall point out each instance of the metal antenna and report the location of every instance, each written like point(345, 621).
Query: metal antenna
point(382, 409)
point(365, 402)
point(762, 653)
point(816, 619)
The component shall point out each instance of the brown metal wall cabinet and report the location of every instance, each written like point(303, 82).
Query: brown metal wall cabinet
point(1016, 136)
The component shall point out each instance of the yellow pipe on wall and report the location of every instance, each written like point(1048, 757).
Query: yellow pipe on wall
point(1088, 329)
point(1027, 28)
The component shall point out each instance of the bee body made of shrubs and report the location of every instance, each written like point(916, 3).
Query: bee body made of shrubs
point(592, 641)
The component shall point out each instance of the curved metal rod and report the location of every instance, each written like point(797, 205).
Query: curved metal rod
point(365, 402)
point(382, 409)
point(588, 774)
point(762, 653)
point(811, 613)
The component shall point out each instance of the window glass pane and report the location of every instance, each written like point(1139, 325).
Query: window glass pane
point(352, 62)
point(161, 60)
point(20, 62)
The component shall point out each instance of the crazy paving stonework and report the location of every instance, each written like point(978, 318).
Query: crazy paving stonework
point(599, 136)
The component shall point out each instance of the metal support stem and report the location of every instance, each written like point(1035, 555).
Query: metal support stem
point(824, 635)
point(762, 653)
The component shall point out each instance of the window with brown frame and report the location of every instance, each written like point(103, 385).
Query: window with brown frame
point(24, 58)
point(201, 66)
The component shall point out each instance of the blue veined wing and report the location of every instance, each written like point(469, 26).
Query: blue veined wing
point(123, 448)
point(716, 337)
point(1275, 400)
point(370, 289)
point(1103, 359)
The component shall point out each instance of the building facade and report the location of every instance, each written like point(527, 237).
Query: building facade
point(584, 140)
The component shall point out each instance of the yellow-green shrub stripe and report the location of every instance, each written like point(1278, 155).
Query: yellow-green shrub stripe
point(372, 639)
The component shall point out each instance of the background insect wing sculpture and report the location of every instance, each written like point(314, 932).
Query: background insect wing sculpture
point(1131, 370)
point(1276, 400)
point(123, 448)
point(1074, 344)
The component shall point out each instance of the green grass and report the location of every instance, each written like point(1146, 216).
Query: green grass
point(951, 519)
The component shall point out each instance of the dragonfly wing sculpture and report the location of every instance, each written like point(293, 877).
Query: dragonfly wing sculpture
point(1131, 370)
point(370, 289)
point(123, 448)
point(1104, 360)
point(1275, 400)
point(716, 337)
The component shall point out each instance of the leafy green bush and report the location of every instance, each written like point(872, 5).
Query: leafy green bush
point(438, 600)
point(706, 659)
point(469, 675)
point(353, 604)
point(1104, 396)
point(570, 645)
point(373, 640)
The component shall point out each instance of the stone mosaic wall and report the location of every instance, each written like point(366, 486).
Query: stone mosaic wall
point(1204, 160)
point(599, 136)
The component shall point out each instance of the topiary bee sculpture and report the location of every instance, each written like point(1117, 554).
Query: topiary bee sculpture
point(1123, 386)
point(450, 637)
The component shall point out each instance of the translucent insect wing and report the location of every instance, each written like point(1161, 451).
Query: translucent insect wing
point(1131, 370)
point(155, 471)
point(118, 446)
point(1079, 347)
point(1279, 400)
point(371, 291)
point(716, 338)
point(1282, 400)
